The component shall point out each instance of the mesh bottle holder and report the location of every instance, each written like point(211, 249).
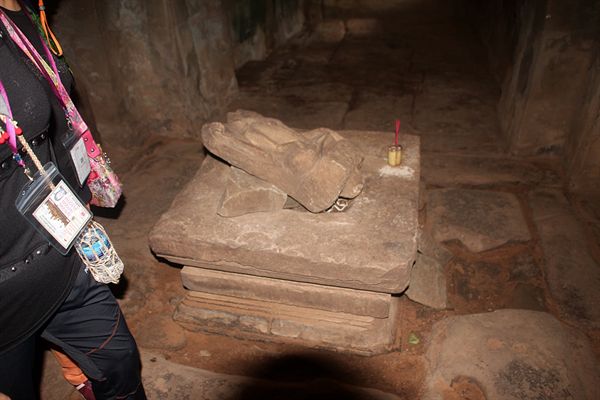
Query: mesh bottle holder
point(98, 254)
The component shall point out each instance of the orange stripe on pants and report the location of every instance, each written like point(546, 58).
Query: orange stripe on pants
point(70, 370)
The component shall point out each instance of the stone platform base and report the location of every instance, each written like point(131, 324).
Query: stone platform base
point(325, 280)
point(317, 316)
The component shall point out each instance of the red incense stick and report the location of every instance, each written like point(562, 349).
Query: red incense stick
point(397, 130)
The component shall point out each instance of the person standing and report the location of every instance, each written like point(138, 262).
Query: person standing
point(43, 293)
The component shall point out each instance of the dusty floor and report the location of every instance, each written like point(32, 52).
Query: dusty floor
point(422, 68)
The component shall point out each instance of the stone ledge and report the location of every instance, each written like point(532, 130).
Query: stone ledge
point(260, 320)
point(371, 246)
point(327, 298)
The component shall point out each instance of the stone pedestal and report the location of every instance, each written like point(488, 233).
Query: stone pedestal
point(323, 280)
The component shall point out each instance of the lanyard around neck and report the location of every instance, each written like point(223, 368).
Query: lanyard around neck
point(49, 73)
point(8, 121)
point(13, 132)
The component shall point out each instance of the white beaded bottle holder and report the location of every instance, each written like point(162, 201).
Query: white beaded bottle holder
point(98, 254)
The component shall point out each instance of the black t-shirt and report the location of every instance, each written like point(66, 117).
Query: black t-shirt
point(34, 278)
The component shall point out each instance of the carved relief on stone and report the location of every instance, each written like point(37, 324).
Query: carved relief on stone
point(315, 168)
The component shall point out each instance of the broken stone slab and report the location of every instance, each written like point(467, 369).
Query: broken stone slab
point(312, 167)
point(266, 320)
point(480, 219)
point(167, 380)
point(572, 274)
point(510, 355)
point(245, 194)
point(370, 246)
point(428, 283)
point(350, 301)
point(427, 246)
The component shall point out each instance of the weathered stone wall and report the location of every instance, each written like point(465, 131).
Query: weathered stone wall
point(167, 66)
point(582, 151)
point(542, 53)
point(259, 26)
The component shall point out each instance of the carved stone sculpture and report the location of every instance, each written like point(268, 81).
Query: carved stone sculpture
point(314, 167)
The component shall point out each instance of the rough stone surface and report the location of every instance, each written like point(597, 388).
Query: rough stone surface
point(539, 100)
point(320, 297)
point(312, 167)
point(160, 332)
point(572, 274)
point(427, 246)
point(510, 355)
point(370, 246)
point(245, 194)
point(166, 67)
point(428, 283)
point(166, 380)
point(329, 31)
point(361, 27)
point(279, 322)
point(442, 169)
point(372, 111)
point(295, 112)
point(582, 150)
point(480, 219)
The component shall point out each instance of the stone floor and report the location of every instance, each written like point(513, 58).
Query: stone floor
point(512, 239)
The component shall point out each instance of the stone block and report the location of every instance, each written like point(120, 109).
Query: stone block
point(320, 297)
point(428, 283)
point(480, 219)
point(427, 246)
point(509, 355)
point(370, 246)
point(264, 320)
point(256, 324)
point(245, 194)
point(572, 274)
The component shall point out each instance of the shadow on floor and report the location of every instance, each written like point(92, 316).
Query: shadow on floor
point(301, 376)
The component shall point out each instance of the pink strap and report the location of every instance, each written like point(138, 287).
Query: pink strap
point(53, 79)
point(10, 128)
point(91, 147)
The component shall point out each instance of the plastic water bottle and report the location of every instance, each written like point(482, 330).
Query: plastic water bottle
point(98, 255)
point(95, 244)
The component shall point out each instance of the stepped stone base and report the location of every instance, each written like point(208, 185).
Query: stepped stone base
point(324, 280)
point(272, 309)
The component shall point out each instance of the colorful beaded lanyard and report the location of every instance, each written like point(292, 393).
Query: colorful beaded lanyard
point(12, 132)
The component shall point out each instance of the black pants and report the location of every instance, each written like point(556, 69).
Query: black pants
point(90, 328)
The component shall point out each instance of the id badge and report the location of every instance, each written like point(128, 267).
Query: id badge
point(49, 204)
point(79, 157)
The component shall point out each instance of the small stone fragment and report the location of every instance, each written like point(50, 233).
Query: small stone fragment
point(428, 283)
